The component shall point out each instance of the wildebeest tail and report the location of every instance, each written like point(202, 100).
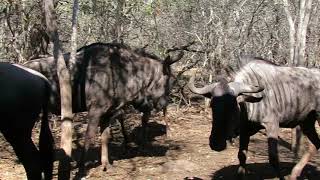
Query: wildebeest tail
point(46, 141)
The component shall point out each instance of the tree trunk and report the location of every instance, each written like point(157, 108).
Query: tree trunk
point(74, 34)
point(303, 34)
point(64, 80)
point(119, 17)
point(291, 32)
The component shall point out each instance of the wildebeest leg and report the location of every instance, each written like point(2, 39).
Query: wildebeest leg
point(26, 152)
point(105, 137)
point(124, 132)
point(272, 130)
point(94, 116)
point(243, 148)
point(165, 119)
point(242, 154)
point(145, 119)
point(296, 140)
point(309, 130)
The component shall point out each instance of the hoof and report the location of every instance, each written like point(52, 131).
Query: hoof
point(131, 145)
point(241, 173)
point(81, 176)
point(106, 167)
point(292, 177)
point(168, 135)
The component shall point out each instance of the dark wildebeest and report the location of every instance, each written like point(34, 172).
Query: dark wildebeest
point(23, 94)
point(105, 78)
point(264, 95)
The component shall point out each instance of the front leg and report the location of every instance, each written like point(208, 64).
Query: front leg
point(245, 132)
point(94, 116)
point(247, 129)
point(242, 154)
point(145, 118)
point(272, 131)
point(166, 120)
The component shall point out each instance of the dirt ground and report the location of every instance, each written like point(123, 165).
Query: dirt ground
point(186, 154)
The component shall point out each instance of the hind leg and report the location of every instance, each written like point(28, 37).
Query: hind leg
point(105, 138)
point(308, 128)
point(26, 152)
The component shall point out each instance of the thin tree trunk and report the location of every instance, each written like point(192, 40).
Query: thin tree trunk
point(74, 34)
point(298, 33)
point(66, 139)
point(304, 25)
point(119, 17)
point(14, 34)
point(64, 80)
point(291, 32)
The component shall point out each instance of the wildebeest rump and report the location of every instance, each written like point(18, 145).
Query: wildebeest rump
point(264, 95)
point(105, 78)
point(23, 94)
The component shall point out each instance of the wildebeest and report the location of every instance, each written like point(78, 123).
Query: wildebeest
point(108, 76)
point(23, 94)
point(264, 95)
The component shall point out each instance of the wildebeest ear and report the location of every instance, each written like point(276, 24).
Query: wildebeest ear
point(249, 98)
point(240, 88)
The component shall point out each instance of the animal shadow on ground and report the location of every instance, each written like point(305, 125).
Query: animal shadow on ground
point(154, 146)
point(260, 171)
point(137, 145)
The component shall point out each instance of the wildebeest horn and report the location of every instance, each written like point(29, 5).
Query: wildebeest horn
point(176, 58)
point(203, 91)
point(239, 88)
point(183, 47)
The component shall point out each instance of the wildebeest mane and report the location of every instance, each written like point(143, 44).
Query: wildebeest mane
point(243, 60)
point(100, 44)
point(139, 51)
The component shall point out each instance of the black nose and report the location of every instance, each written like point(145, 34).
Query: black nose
point(217, 145)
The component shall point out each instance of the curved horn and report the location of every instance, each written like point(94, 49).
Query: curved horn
point(176, 58)
point(239, 88)
point(204, 90)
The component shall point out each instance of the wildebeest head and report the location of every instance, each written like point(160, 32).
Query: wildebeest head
point(225, 98)
point(159, 93)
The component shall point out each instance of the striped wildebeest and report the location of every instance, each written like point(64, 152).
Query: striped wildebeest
point(23, 94)
point(106, 77)
point(264, 95)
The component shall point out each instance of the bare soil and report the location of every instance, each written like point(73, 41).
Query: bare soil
point(185, 155)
